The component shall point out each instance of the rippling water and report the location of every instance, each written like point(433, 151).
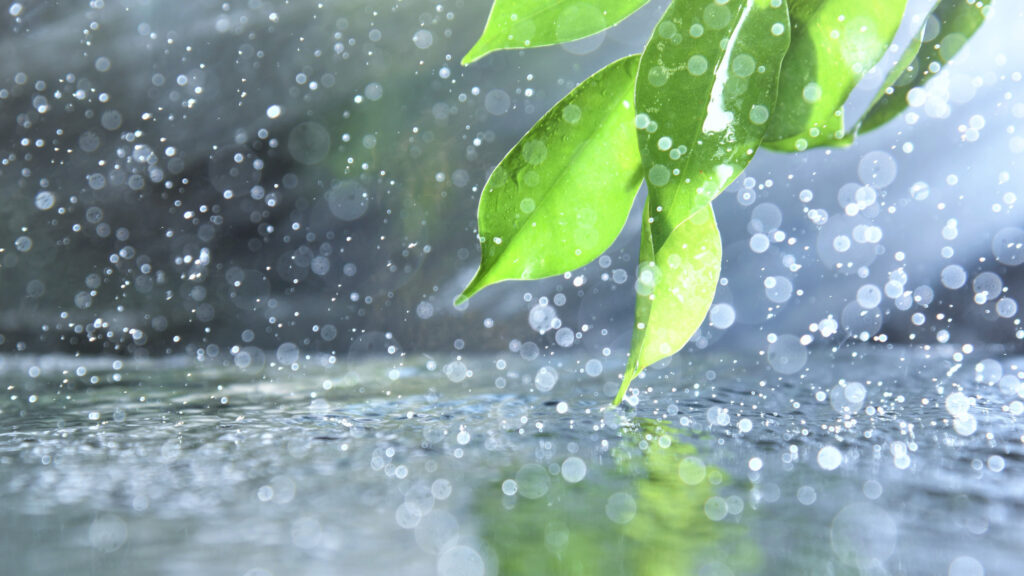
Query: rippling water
point(871, 461)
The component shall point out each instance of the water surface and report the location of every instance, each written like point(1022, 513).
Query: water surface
point(871, 461)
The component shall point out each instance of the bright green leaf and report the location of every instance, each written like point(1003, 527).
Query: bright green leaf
point(562, 194)
point(946, 30)
point(675, 287)
point(705, 88)
point(835, 42)
point(532, 23)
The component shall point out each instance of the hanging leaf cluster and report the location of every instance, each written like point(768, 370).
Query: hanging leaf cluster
point(718, 80)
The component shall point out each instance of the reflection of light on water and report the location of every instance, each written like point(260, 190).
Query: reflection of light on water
point(430, 462)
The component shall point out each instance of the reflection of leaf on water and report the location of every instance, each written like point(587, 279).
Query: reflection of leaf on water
point(643, 516)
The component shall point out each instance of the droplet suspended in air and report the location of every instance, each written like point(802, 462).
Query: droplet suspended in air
point(829, 458)
point(45, 200)
point(423, 39)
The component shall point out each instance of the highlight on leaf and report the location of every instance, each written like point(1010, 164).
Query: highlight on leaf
point(705, 89)
point(562, 194)
point(532, 23)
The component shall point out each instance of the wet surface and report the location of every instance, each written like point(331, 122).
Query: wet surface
point(870, 461)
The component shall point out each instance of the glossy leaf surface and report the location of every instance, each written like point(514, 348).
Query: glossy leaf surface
point(675, 287)
point(532, 23)
point(705, 89)
point(946, 30)
point(562, 194)
point(835, 42)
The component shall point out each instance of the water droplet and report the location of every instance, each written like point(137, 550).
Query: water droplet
point(374, 91)
point(574, 469)
point(812, 92)
point(722, 316)
point(953, 276)
point(572, 113)
point(45, 200)
point(620, 508)
point(869, 296)
point(829, 458)
point(787, 355)
point(497, 102)
point(1008, 246)
point(966, 566)
point(545, 379)
point(564, 337)
point(460, 561)
point(658, 175)
point(423, 39)
point(697, 65)
point(877, 169)
point(759, 114)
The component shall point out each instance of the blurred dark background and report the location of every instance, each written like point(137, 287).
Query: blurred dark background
point(251, 179)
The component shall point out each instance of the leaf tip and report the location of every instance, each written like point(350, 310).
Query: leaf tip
point(475, 285)
point(475, 53)
point(627, 379)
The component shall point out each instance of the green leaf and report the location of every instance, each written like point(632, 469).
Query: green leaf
point(948, 27)
point(706, 84)
point(675, 287)
point(562, 194)
point(531, 23)
point(835, 42)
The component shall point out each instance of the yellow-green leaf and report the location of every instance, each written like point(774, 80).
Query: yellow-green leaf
point(675, 287)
